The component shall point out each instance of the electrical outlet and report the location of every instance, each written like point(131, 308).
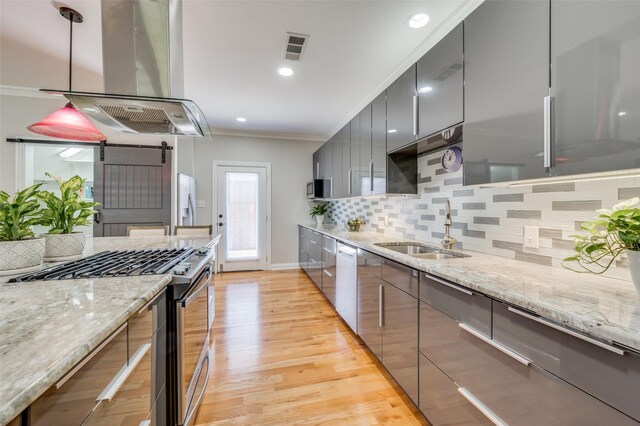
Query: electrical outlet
point(532, 237)
point(200, 204)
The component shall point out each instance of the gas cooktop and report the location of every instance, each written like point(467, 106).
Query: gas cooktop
point(122, 263)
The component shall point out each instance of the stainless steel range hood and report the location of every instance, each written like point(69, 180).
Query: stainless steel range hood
point(143, 72)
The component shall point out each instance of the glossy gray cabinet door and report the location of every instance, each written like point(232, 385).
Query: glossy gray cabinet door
point(336, 165)
point(317, 164)
point(400, 110)
point(354, 187)
point(329, 268)
point(440, 85)
point(400, 338)
point(345, 143)
point(595, 58)
point(369, 302)
point(365, 179)
point(379, 144)
point(506, 67)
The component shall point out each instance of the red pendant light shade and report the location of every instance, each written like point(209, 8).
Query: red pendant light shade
point(68, 123)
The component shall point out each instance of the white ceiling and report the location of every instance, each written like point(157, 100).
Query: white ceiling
point(233, 48)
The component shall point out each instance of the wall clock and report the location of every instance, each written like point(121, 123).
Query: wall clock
point(452, 159)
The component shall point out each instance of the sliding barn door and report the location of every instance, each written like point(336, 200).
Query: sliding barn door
point(133, 187)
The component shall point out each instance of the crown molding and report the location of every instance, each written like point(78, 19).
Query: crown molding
point(268, 135)
point(448, 24)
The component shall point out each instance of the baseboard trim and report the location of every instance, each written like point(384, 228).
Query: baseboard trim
point(281, 266)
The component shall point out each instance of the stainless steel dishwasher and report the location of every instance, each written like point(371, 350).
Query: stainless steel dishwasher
point(347, 285)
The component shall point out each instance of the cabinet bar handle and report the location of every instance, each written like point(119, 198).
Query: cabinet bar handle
point(86, 359)
point(548, 107)
point(415, 116)
point(328, 273)
point(481, 407)
point(381, 305)
point(116, 383)
point(349, 183)
point(453, 286)
point(331, 187)
point(495, 344)
point(317, 170)
point(371, 174)
point(567, 331)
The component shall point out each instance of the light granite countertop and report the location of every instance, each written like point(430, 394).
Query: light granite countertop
point(46, 327)
point(605, 308)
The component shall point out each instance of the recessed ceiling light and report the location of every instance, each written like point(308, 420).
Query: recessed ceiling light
point(285, 71)
point(241, 119)
point(622, 113)
point(69, 152)
point(425, 89)
point(418, 20)
point(392, 131)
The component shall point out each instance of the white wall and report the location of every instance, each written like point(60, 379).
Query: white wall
point(291, 169)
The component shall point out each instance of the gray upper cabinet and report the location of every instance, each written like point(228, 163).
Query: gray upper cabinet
point(379, 144)
point(336, 164)
point(344, 151)
point(317, 164)
point(354, 169)
point(595, 57)
point(506, 67)
point(402, 110)
point(440, 85)
point(326, 161)
point(365, 179)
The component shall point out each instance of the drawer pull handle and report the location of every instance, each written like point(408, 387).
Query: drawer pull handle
point(381, 305)
point(453, 286)
point(522, 360)
point(481, 407)
point(86, 359)
point(328, 273)
point(567, 331)
point(116, 383)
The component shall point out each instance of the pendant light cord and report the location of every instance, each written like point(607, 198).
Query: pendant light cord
point(70, 51)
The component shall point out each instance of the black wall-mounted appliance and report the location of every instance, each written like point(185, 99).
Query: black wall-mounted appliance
point(319, 188)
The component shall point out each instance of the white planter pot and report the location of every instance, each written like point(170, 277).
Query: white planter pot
point(319, 219)
point(634, 265)
point(19, 257)
point(61, 247)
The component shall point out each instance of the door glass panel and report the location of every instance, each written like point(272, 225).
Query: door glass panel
point(242, 215)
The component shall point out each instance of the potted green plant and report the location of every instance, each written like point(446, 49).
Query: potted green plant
point(615, 232)
point(63, 214)
point(318, 211)
point(20, 252)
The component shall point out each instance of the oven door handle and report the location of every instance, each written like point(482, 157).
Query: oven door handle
point(201, 284)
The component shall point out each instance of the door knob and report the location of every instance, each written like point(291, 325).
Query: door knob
point(220, 216)
point(220, 224)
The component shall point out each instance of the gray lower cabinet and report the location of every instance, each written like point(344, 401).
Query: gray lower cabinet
point(370, 301)
point(441, 402)
point(400, 338)
point(595, 63)
point(315, 258)
point(402, 111)
point(502, 383)
point(329, 268)
point(613, 374)
point(440, 83)
point(506, 67)
point(72, 399)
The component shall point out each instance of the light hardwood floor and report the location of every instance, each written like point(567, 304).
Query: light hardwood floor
point(281, 356)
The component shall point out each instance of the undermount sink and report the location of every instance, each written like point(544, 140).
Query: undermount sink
point(422, 251)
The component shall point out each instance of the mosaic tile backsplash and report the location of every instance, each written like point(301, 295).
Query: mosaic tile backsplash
point(490, 220)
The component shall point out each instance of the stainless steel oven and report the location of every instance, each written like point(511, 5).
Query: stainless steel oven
point(193, 361)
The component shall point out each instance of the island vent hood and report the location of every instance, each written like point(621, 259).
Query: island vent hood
point(143, 72)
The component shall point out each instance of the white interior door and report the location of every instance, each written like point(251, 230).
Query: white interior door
point(242, 217)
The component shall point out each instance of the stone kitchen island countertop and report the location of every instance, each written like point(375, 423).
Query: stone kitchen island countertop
point(47, 327)
point(606, 308)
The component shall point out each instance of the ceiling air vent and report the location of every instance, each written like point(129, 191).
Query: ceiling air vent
point(295, 45)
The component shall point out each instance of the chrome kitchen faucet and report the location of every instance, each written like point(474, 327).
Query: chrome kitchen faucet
point(448, 242)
